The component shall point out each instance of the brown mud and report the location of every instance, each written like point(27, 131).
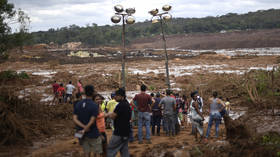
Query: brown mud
point(33, 127)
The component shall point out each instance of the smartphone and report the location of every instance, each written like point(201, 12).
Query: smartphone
point(78, 135)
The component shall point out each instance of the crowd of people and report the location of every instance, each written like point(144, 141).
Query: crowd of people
point(93, 115)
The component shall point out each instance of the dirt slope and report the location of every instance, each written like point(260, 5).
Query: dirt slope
point(236, 39)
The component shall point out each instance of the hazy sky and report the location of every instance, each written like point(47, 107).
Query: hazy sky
point(46, 14)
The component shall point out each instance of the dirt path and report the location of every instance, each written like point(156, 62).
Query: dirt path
point(178, 145)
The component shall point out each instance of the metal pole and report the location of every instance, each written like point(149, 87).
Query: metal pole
point(166, 55)
point(123, 53)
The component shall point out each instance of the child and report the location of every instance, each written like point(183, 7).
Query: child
point(100, 122)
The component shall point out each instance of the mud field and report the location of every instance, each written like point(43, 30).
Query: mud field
point(50, 128)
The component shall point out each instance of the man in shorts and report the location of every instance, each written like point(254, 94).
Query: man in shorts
point(85, 114)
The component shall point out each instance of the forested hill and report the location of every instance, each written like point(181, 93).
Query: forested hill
point(94, 35)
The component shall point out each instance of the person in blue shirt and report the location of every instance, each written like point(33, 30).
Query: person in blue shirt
point(85, 113)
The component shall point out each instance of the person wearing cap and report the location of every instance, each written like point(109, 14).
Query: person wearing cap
point(111, 104)
point(121, 117)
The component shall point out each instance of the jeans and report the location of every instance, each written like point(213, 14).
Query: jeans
point(214, 117)
point(66, 98)
point(144, 118)
point(156, 119)
point(169, 121)
point(131, 137)
point(118, 143)
point(135, 118)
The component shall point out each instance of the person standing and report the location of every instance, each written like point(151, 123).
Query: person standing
point(196, 98)
point(185, 107)
point(215, 108)
point(55, 93)
point(156, 115)
point(69, 92)
point(61, 93)
point(169, 112)
point(111, 105)
point(121, 116)
point(196, 117)
point(227, 106)
point(144, 102)
point(100, 122)
point(85, 114)
point(80, 87)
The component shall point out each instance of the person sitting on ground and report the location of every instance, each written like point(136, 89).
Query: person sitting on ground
point(121, 116)
point(100, 122)
point(69, 92)
point(61, 93)
point(214, 109)
point(85, 114)
point(196, 117)
point(169, 108)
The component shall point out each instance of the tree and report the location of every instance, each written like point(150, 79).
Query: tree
point(22, 35)
point(7, 13)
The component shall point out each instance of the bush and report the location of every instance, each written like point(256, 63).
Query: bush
point(10, 74)
point(4, 75)
point(23, 75)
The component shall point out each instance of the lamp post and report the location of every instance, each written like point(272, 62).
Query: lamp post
point(160, 17)
point(127, 18)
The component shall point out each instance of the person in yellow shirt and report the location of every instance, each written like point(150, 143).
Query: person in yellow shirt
point(104, 106)
point(227, 106)
point(111, 104)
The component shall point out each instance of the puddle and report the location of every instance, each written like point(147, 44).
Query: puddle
point(47, 98)
point(44, 73)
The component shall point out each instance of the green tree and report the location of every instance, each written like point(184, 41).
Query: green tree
point(22, 36)
point(7, 13)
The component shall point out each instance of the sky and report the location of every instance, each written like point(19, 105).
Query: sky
point(46, 14)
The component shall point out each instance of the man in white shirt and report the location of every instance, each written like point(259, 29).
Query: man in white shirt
point(69, 92)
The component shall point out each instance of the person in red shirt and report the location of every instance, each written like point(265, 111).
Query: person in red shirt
point(144, 102)
point(55, 86)
point(61, 93)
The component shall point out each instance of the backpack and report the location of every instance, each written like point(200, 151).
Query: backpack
point(199, 102)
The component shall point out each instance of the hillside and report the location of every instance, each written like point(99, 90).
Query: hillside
point(94, 36)
point(227, 40)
